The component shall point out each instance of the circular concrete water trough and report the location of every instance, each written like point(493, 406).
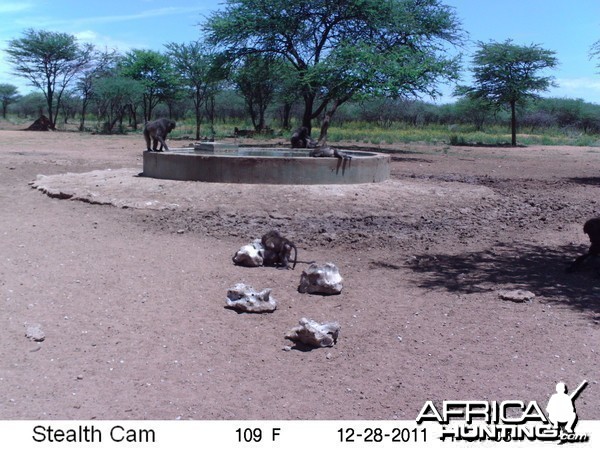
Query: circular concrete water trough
point(230, 164)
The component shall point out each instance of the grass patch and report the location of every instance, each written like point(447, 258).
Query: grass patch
point(375, 135)
point(454, 135)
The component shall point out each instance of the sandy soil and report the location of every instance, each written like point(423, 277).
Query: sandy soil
point(128, 285)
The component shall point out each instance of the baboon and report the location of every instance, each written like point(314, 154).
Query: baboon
point(243, 133)
point(278, 250)
point(157, 131)
point(301, 139)
point(592, 229)
point(328, 152)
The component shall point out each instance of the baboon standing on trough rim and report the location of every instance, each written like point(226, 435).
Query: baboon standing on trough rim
point(592, 229)
point(157, 131)
point(278, 250)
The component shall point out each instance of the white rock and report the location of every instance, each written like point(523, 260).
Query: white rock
point(315, 334)
point(250, 255)
point(35, 333)
point(244, 298)
point(321, 279)
point(517, 295)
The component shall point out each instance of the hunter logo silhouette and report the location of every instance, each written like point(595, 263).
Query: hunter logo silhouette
point(561, 407)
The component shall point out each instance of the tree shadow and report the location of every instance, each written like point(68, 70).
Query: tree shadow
point(410, 159)
point(535, 268)
point(587, 181)
point(367, 148)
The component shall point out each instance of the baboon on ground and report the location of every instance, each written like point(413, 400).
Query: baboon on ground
point(328, 152)
point(592, 229)
point(243, 133)
point(278, 250)
point(157, 131)
point(301, 139)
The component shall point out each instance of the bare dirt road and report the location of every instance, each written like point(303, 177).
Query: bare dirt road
point(128, 285)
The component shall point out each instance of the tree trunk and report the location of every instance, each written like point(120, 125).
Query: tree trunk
point(309, 101)
point(147, 107)
point(49, 93)
point(112, 124)
point(133, 113)
point(513, 123)
point(252, 112)
point(285, 119)
point(83, 111)
point(198, 95)
point(261, 117)
point(198, 117)
point(209, 106)
point(325, 124)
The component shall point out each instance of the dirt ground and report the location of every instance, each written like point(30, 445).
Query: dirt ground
point(128, 285)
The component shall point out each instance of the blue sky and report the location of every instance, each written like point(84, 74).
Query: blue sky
point(568, 27)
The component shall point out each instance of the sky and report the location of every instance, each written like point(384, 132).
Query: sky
point(567, 27)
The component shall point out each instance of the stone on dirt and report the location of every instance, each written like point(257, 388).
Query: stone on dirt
point(245, 299)
point(517, 295)
point(314, 334)
point(321, 279)
point(35, 333)
point(250, 255)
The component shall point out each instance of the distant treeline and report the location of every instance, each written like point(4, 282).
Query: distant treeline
point(539, 115)
point(544, 113)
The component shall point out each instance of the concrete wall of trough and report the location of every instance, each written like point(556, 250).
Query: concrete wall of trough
point(229, 168)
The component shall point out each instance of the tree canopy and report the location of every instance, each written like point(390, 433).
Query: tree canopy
point(196, 65)
point(102, 66)
point(342, 50)
point(8, 94)
point(595, 51)
point(257, 79)
point(506, 74)
point(113, 96)
point(49, 61)
point(156, 74)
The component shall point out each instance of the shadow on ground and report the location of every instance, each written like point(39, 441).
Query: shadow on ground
point(535, 268)
point(587, 181)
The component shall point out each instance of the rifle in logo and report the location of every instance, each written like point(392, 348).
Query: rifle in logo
point(561, 406)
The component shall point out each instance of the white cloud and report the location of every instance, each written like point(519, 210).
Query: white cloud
point(160, 12)
point(86, 36)
point(40, 22)
point(586, 88)
point(101, 42)
point(579, 83)
point(8, 8)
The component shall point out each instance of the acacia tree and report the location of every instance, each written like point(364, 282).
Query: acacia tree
point(506, 75)
point(155, 72)
point(113, 97)
point(287, 93)
point(69, 106)
point(50, 61)
point(595, 51)
point(341, 50)
point(8, 94)
point(103, 65)
point(195, 65)
point(257, 80)
point(31, 104)
point(473, 110)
